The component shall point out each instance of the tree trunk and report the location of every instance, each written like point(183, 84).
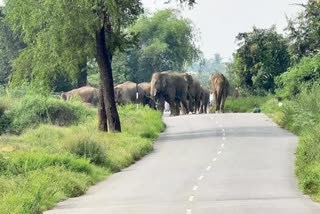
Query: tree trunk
point(108, 113)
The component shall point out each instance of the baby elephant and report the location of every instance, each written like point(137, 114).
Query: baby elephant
point(89, 95)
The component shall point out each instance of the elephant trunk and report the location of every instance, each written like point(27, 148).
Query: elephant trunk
point(153, 91)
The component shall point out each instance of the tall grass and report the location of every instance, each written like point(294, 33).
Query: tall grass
point(47, 163)
point(302, 111)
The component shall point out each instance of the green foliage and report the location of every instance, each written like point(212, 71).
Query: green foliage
point(62, 44)
point(303, 31)
point(10, 45)
point(308, 162)
point(87, 146)
point(49, 163)
point(302, 76)
point(302, 111)
point(166, 42)
point(41, 189)
point(261, 57)
point(34, 109)
point(245, 104)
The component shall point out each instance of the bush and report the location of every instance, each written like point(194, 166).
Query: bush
point(302, 111)
point(35, 109)
point(88, 146)
point(304, 75)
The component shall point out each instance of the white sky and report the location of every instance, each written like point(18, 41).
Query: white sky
point(219, 21)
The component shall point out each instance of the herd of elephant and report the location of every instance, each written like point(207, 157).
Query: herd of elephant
point(182, 91)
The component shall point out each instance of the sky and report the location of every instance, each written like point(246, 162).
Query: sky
point(218, 22)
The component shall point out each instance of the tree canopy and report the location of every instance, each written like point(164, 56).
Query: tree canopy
point(262, 55)
point(61, 35)
point(166, 41)
point(304, 31)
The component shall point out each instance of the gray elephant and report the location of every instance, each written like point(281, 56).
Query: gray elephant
point(204, 100)
point(171, 87)
point(194, 92)
point(147, 99)
point(220, 88)
point(89, 95)
point(128, 92)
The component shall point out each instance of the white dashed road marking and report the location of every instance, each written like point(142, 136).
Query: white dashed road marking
point(214, 159)
point(222, 145)
point(191, 197)
point(201, 177)
point(219, 152)
point(195, 188)
point(189, 211)
point(208, 168)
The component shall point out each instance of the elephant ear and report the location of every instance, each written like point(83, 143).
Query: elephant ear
point(164, 80)
point(118, 93)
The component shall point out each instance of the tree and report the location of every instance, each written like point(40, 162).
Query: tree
point(304, 31)
point(262, 55)
point(62, 34)
point(165, 42)
point(10, 44)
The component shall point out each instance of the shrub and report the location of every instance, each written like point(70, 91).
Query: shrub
point(36, 109)
point(302, 111)
point(302, 76)
point(88, 146)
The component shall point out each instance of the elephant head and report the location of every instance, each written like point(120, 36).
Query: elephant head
point(158, 82)
point(117, 94)
point(64, 96)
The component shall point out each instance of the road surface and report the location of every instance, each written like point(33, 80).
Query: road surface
point(205, 164)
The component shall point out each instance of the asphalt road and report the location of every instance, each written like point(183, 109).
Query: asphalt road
point(205, 164)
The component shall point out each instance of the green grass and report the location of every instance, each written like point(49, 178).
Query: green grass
point(47, 163)
point(244, 104)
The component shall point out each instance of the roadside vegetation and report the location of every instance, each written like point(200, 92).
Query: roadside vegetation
point(51, 150)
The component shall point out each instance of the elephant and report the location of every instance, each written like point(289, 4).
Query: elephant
point(194, 91)
point(128, 92)
point(171, 87)
point(147, 99)
point(204, 100)
point(89, 95)
point(220, 88)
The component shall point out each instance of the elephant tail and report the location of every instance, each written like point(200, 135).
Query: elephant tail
point(137, 91)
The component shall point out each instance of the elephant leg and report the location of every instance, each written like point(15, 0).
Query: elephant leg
point(177, 103)
point(160, 106)
point(185, 105)
point(201, 109)
point(217, 102)
point(222, 104)
point(172, 107)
